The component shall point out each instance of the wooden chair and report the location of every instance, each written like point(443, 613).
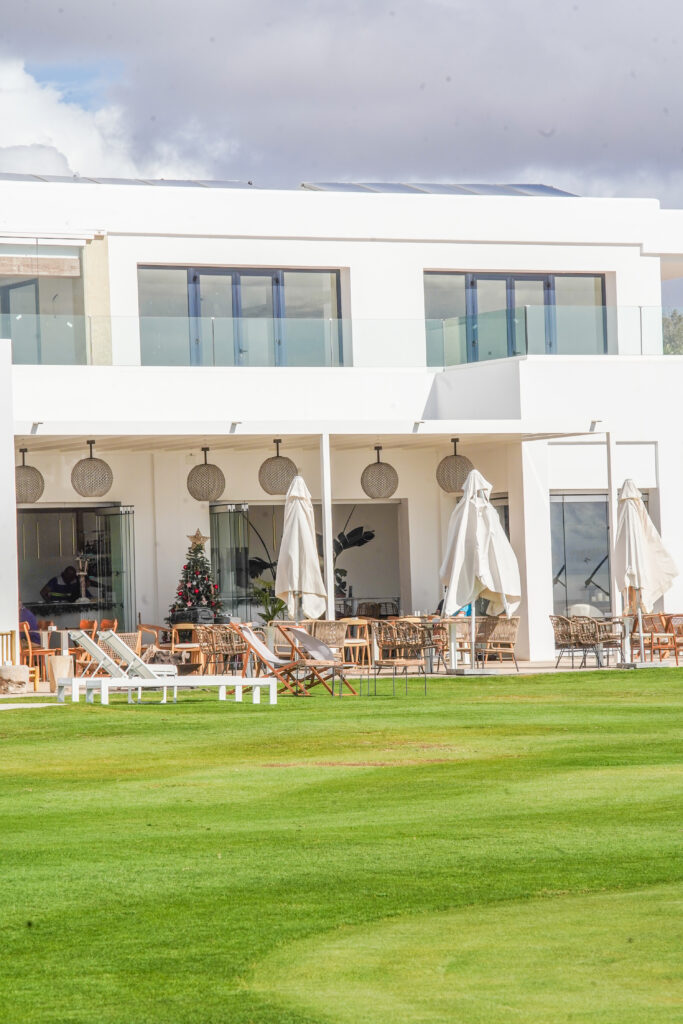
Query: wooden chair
point(496, 638)
point(656, 638)
point(675, 628)
point(112, 624)
point(358, 641)
point(31, 654)
point(156, 635)
point(88, 626)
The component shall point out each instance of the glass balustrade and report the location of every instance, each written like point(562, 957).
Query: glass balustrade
point(290, 341)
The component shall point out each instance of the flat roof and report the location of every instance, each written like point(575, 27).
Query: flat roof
point(388, 187)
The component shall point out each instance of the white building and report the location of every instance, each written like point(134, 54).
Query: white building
point(157, 318)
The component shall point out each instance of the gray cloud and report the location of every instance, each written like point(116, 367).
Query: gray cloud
point(582, 95)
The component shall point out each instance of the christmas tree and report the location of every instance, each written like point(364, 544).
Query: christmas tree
point(196, 587)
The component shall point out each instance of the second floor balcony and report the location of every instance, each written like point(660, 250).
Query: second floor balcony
point(65, 339)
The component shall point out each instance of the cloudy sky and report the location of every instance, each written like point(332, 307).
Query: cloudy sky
point(582, 94)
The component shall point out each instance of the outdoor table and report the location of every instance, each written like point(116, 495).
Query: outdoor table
point(56, 640)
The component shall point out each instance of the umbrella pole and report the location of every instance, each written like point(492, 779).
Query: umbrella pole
point(473, 631)
point(640, 628)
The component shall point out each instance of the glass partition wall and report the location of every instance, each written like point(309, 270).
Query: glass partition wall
point(230, 316)
point(471, 317)
point(50, 542)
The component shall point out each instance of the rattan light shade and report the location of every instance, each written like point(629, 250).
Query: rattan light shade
point(276, 473)
point(452, 471)
point(91, 477)
point(29, 481)
point(379, 479)
point(206, 482)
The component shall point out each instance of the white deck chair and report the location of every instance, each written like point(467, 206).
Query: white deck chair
point(102, 667)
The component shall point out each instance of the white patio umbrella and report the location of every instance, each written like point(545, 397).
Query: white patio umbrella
point(641, 562)
point(479, 560)
point(298, 580)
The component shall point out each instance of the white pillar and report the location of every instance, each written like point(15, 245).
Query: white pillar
point(529, 499)
point(612, 522)
point(9, 566)
point(326, 503)
point(668, 502)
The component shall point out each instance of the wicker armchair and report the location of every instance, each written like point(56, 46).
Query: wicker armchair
point(400, 646)
point(231, 648)
point(132, 640)
point(496, 637)
point(566, 642)
point(331, 631)
point(656, 637)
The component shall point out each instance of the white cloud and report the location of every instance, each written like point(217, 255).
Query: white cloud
point(43, 133)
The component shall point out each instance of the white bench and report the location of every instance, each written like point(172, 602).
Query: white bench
point(104, 685)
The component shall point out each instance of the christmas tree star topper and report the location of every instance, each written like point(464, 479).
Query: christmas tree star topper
point(197, 539)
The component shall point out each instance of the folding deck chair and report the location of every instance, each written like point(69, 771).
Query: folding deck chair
point(318, 658)
point(286, 672)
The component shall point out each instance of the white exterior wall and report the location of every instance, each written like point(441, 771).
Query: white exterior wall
point(382, 244)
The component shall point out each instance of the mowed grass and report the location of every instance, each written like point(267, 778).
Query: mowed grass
point(499, 851)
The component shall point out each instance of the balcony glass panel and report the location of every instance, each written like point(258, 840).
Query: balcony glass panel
point(43, 317)
point(579, 315)
point(164, 316)
point(446, 311)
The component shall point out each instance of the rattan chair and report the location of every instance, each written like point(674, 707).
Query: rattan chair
point(566, 643)
point(496, 637)
point(400, 646)
point(332, 632)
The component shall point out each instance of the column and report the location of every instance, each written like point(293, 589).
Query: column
point(9, 566)
point(529, 499)
point(665, 507)
point(326, 502)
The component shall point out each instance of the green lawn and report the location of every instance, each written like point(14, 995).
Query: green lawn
point(499, 851)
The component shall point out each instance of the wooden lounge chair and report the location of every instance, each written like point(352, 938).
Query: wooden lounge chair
point(318, 658)
point(288, 672)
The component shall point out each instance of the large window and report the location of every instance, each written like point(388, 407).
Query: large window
point(580, 551)
point(239, 317)
point(50, 542)
point(474, 317)
point(41, 303)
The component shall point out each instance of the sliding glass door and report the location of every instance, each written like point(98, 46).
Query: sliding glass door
point(239, 317)
point(479, 316)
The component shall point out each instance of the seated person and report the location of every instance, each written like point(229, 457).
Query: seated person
point(465, 610)
point(62, 588)
point(27, 616)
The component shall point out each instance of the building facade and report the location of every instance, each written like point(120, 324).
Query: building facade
point(160, 318)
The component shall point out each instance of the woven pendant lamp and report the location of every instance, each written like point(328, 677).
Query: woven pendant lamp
point(91, 477)
point(379, 479)
point(29, 481)
point(452, 471)
point(206, 482)
point(276, 473)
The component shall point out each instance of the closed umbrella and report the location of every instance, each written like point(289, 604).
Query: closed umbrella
point(298, 580)
point(641, 562)
point(479, 560)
